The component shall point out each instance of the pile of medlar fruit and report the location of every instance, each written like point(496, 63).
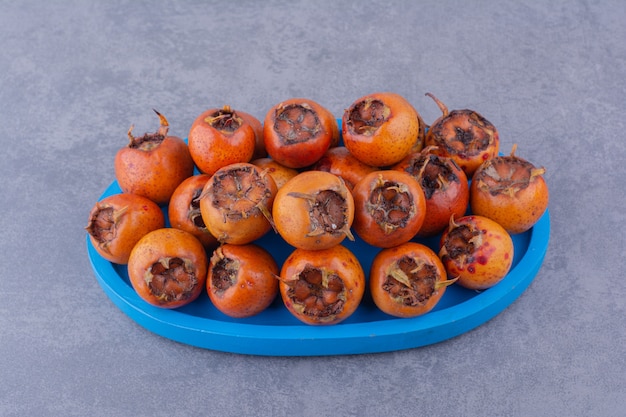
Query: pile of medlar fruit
point(190, 213)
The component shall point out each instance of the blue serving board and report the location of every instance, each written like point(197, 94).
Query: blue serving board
point(275, 332)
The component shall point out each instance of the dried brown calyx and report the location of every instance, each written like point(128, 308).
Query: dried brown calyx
point(296, 123)
point(241, 192)
point(328, 213)
point(462, 241)
point(432, 171)
point(367, 116)
point(412, 282)
point(171, 279)
point(462, 132)
point(102, 224)
point(194, 214)
point(226, 120)
point(149, 141)
point(224, 271)
point(506, 174)
point(317, 292)
point(390, 204)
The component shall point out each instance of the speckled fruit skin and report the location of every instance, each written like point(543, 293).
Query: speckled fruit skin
point(291, 213)
point(365, 223)
point(280, 173)
point(257, 126)
point(162, 244)
point(379, 271)
point(302, 153)
point(155, 173)
point(339, 161)
point(393, 140)
point(180, 210)
point(488, 262)
point(519, 204)
point(255, 284)
point(338, 260)
point(212, 149)
point(136, 216)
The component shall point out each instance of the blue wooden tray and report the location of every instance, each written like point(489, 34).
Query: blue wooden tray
point(275, 332)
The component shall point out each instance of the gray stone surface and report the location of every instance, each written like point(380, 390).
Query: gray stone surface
point(75, 75)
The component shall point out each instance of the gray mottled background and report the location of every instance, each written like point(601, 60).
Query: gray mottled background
point(74, 75)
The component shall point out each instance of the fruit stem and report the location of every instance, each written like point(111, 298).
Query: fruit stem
point(164, 125)
point(130, 135)
point(441, 106)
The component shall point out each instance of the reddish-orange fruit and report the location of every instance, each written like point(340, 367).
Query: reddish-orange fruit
point(314, 210)
point(339, 161)
point(511, 191)
point(407, 280)
point(445, 187)
point(257, 126)
point(219, 137)
point(242, 280)
point(280, 173)
point(236, 203)
point(390, 208)
point(298, 131)
point(322, 287)
point(184, 210)
point(477, 251)
point(168, 268)
point(154, 164)
point(380, 129)
point(117, 222)
point(463, 135)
